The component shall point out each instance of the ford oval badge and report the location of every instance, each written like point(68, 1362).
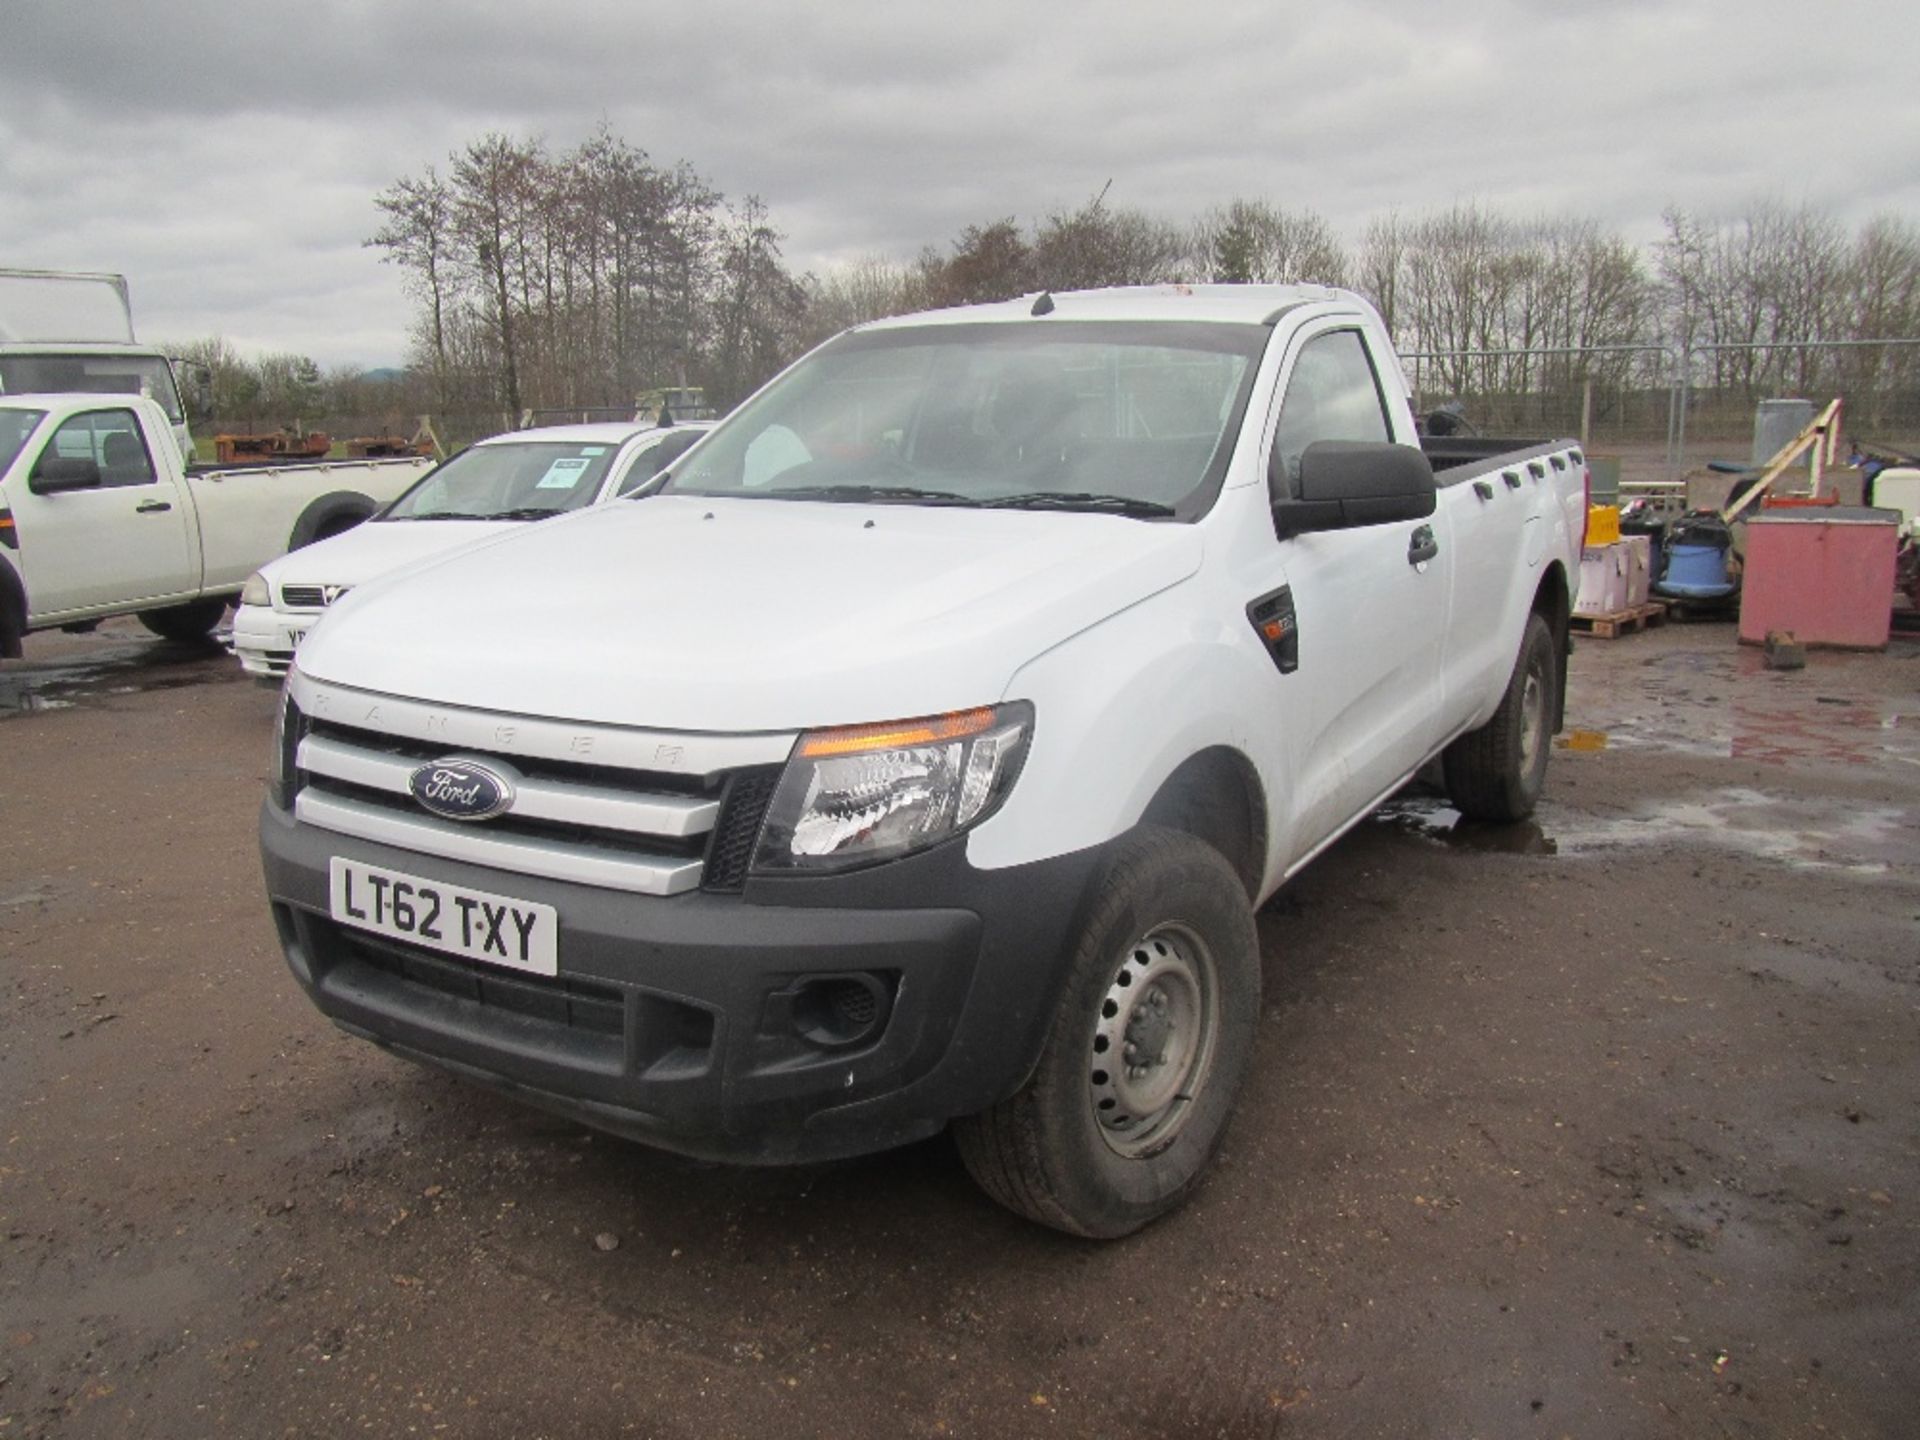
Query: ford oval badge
point(460, 789)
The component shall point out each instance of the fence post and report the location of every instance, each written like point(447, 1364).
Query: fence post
point(1586, 413)
point(1680, 426)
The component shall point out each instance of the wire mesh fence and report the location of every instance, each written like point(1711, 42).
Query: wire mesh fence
point(1662, 409)
point(1674, 408)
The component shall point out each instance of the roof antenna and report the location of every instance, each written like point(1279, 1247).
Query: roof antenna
point(1044, 305)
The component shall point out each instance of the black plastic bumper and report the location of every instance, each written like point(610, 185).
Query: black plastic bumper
point(674, 1021)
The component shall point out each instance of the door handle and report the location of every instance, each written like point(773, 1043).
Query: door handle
point(151, 507)
point(1423, 546)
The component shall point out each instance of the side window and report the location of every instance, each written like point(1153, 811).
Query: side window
point(110, 439)
point(650, 463)
point(1333, 394)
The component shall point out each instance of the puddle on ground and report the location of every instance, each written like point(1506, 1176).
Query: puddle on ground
point(1862, 841)
point(119, 667)
point(1432, 818)
point(1725, 704)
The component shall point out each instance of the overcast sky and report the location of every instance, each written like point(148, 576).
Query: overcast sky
point(224, 157)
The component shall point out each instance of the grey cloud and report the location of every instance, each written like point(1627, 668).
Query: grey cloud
point(225, 156)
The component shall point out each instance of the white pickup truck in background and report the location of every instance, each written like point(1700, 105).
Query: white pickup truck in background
point(100, 517)
point(486, 490)
point(920, 751)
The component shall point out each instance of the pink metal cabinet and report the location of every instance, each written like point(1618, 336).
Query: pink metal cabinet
point(1825, 574)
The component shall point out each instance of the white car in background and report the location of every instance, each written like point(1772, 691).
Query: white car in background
point(484, 490)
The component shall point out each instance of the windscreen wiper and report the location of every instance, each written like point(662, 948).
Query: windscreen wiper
point(1080, 500)
point(860, 494)
point(524, 512)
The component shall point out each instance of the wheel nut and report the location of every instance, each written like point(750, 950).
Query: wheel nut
point(1139, 1012)
point(1159, 999)
point(1130, 1050)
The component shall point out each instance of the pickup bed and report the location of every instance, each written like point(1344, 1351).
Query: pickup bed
point(99, 516)
point(920, 752)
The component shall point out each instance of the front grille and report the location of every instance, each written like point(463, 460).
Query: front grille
point(734, 837)
point(639, 831)
point(576, 1004)
point(533, 767)
point(307, 597)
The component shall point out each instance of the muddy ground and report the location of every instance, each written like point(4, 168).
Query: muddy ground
point(1601, 1127)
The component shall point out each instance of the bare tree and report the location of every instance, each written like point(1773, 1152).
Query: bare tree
point(418, 237)
point(1250, 241)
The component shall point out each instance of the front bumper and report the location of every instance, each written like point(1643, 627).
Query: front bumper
point(264, 639)
point(672, 1021)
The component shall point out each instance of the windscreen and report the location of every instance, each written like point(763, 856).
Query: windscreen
point(1131, 417)
point(511, 480)
point(147, 375)
point(15, 427)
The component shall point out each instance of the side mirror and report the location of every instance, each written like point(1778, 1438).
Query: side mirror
point(1348, 483)
point(53, 475)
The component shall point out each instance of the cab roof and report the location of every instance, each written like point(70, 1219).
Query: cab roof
point(1226, 304)
point(605, 432)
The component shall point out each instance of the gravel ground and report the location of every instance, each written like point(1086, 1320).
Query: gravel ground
point(1604, 1126)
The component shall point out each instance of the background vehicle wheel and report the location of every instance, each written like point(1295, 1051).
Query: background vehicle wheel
point(328, 516)
point(1146, 1053)
point(1496, 772)
point(185, 623)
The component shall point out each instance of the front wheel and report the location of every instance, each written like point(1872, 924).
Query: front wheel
point(187, 623)
point(1146, 1053)
point(1496, 773)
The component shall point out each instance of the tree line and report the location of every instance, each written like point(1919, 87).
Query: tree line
point(579, 279)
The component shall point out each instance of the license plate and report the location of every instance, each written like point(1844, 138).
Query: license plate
point(496, 929)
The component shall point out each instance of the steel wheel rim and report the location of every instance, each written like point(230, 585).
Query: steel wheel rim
point(1533, 710)
point(1153, 1041)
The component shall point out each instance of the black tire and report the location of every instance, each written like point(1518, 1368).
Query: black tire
point(328, 516)
point(1046, 1152)
point(1496, 773)
point(185, 624)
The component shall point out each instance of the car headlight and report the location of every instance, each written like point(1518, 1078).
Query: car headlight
point(866, 793)
point(255, 591)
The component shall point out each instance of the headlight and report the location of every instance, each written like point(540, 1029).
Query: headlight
point(255, 591)
point(867, 793)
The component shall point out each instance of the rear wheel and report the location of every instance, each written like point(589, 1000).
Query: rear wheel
point(185, 623)
point(1496, 773)
point(1146, 1053)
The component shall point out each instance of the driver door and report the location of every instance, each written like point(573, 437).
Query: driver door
point(1370, 604)
point(127, 540)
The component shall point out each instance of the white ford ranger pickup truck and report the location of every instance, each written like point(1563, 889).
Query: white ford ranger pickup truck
point(100, 516)
point(919, 753)
point(487, 489)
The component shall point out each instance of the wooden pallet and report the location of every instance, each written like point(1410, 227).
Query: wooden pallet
point(1620, 622)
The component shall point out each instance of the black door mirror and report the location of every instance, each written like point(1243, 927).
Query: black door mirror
point(1345, 483)
point(56, 475)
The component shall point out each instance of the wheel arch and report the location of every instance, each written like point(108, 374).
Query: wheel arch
point(1553, 602)
point(329, 515)
point(13, 611)
point(1216, 796)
